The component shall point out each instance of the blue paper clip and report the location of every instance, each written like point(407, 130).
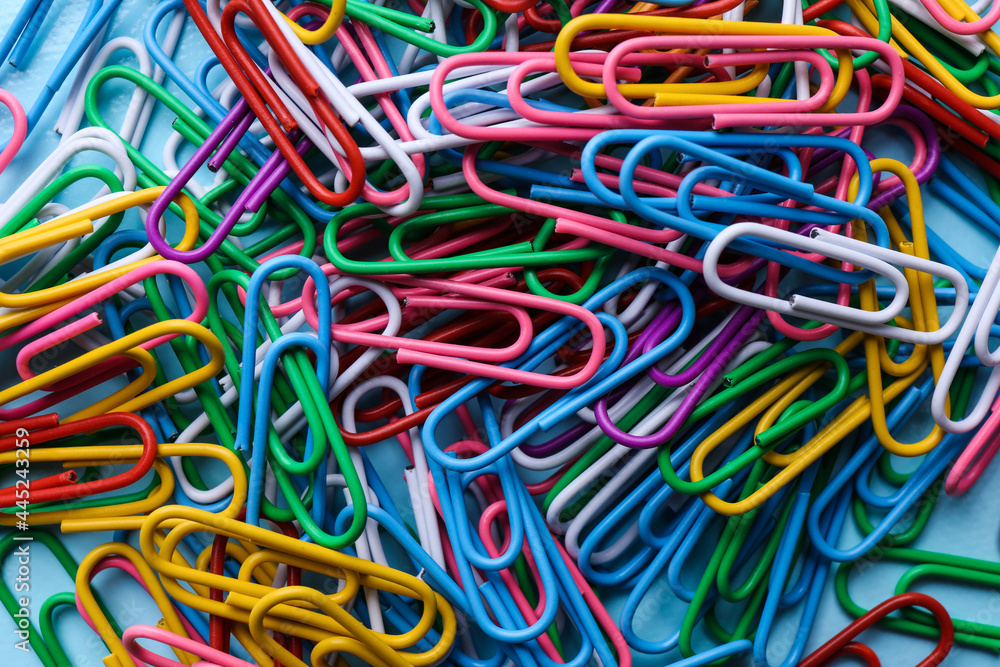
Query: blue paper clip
point(932, 466)
point(96, 18)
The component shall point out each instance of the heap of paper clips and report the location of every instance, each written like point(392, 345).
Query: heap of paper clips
point(496, 332)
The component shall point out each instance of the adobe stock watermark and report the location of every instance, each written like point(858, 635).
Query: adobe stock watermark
point(22, 582)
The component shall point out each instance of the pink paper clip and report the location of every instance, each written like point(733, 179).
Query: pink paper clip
point(20, 128)
point(210, 657)
point(976, 456)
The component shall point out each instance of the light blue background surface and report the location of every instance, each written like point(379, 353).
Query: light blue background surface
point(967, 526)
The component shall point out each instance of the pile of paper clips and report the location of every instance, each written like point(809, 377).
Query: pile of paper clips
point(413, 333)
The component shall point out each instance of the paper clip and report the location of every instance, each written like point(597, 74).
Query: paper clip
point(660, 24)
point(130, 398)
point(728, 112)
point(61, 314)
point(974, 459)
point(91, 138)
point(845, 637)
point(259, 95)
point(244, 595)
point(72, 225)
point(852, 251)
point(911, 491)
point(552, 338)
point(95, 20)
point(315, 448)
point(929, 564)
point(78, 515)
point(972, 23)
point(70, 491)
point(811, 587)
point(406, 199)
point(86, 601)
point(210, 657)
point(20, 129)
point(24, 29)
